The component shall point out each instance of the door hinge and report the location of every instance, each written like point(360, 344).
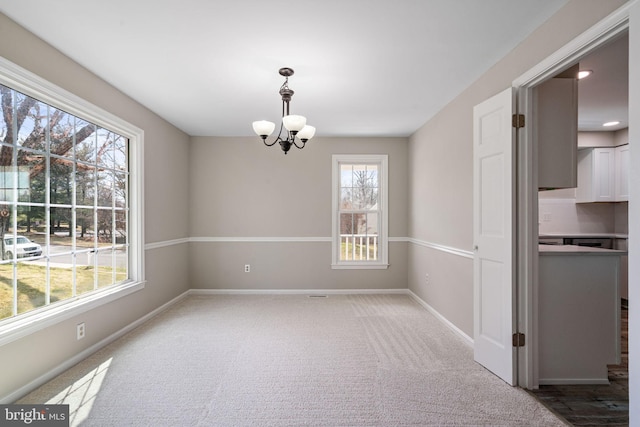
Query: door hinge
point(518, 339)
point(517, 120)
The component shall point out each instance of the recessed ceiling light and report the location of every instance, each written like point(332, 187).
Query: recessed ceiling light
point(610, 124)
point(584, 73)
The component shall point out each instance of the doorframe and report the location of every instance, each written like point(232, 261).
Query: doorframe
point(527, 181)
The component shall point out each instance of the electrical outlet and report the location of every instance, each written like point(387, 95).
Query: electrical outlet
point(247, 268)
point(426, 279)
point(80, 330)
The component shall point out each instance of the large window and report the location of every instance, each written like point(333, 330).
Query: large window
point(360, 211)
point(69, 206)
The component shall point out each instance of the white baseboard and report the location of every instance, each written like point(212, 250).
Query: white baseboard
point(48, 376)
point(466, 338)
point(293, 291)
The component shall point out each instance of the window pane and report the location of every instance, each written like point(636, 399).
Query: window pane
point(372, 175)
point(5, 136)
point(346, 223)
point(85, 232)
point(372, 224)
point(121, 152)
point(85, 141)
point(61, 181)
point(105, 189)
point(6, 290)
point(85, 185)
point(31, 176)
point(61, 278)
point(121, 185)
point(61, 235)
point(33, 124)
point(32, 285)
point(105, 269)
point(85, 273)
point(346, 202)
point(105, 226)
point(105, 151)
point(121, 264)
point(121, 228)
point(61, 137)
point(346, 175)
point(32, 225)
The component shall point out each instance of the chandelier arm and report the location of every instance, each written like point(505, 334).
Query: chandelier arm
point(297, 146)
point(278, 138)
point(272, 144)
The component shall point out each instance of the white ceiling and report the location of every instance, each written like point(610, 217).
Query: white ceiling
point(604, 95)
point(362, 67)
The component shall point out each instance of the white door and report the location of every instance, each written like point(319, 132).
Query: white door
point(493, 217)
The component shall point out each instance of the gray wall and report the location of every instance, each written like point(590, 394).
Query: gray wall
point(242, 189)
point(166, 196)
point(440, 168)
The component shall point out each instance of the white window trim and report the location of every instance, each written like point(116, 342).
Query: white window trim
point(383, 236)
point(24, 81)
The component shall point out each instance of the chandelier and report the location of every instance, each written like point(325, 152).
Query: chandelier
point(297, 130)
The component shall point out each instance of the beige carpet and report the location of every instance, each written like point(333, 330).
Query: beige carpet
point(290, 360)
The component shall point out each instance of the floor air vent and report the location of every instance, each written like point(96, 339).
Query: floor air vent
point(317, 296)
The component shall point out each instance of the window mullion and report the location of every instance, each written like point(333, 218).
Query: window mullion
point(96, 231)
point(47, 205)
point(13, 208)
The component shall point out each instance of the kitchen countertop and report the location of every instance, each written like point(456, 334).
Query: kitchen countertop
point(577, 250)
point(585, 235)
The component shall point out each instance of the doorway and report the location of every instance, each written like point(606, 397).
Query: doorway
point(583, 217)
point(614, 28)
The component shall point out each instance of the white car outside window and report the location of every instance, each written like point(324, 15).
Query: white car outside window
point(23, 247)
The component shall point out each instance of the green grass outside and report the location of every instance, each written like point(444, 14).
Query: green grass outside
point(32, 284)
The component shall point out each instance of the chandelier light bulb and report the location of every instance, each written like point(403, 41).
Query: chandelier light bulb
point(263, 128)
point(306, 133)
point(294, 123)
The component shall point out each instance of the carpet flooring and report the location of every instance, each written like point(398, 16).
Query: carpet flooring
point(290, 360)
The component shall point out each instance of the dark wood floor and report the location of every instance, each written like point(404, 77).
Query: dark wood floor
point(595, 405)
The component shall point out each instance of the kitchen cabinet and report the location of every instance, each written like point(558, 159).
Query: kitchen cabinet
point(579, 314)
point(596, 176)
point(603, 174)
point(622, 173)
point(556, 127)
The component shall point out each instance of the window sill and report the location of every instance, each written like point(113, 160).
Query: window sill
point(359, 266)
point(27, 324)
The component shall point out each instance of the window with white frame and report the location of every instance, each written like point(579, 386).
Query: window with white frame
point(360, 211)
point(70, 200)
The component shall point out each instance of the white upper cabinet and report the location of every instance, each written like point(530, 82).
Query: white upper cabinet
point(603, 174)
point(622, 173)
point(556, 126)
